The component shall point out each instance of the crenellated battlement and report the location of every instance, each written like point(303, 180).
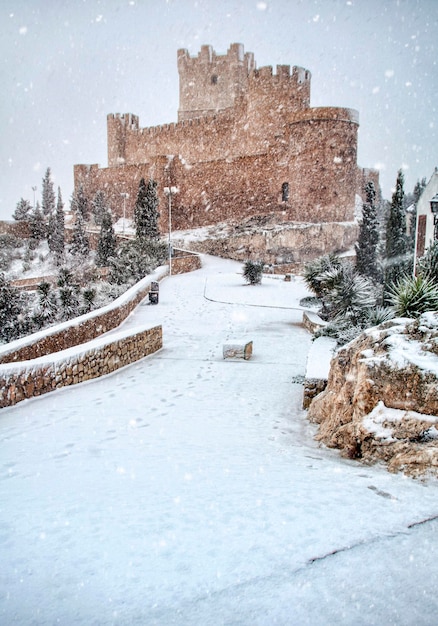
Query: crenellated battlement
point(247, 142)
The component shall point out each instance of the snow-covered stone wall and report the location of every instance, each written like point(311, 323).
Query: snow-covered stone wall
point(21, 381)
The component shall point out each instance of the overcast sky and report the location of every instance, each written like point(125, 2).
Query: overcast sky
point(66, 64)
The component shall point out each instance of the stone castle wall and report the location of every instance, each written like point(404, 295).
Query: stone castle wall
point(247, 143)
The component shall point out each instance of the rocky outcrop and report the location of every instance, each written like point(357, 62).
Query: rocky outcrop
point(381, 399)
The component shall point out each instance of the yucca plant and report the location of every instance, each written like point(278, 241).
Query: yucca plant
point(252, 272)
point(315, 270)
point(412, 296)
point(428, 264)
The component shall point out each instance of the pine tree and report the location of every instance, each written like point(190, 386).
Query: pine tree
point(10, 311)
point(98, 207)
point(366, 247)
point(37, 225)
point(146, 211)
point(58, 233)
point(79, 243)
point(107, 243)
point(79, 203)
point(22, 210)
point(48, 194)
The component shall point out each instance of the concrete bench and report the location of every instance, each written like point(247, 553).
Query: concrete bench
point(237, 350)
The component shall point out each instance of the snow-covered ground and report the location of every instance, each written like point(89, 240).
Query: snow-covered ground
point(187, 489)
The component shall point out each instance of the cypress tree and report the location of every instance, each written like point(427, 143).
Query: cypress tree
point(98, 207)
point(107, 244)
point(58, 235)
point(48, 195)
point(396, 226)
point(146, 211)
point(79, 243)
point(396, 257)
point(79, 203)
point(366, 247)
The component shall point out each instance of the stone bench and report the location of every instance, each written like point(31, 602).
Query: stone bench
point(237, 350)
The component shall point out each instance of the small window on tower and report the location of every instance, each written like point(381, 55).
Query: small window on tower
point(214, 79)
point(285, 192)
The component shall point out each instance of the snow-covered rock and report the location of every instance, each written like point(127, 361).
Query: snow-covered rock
point(381, 399)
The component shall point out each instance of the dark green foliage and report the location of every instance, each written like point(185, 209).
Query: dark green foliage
point(9, 250)
point(427, 266)
point(79, 204)
point(347, 294)
point(69, 302)
point(314, 272)
point(10, 311)
point(366, 247)
point(253, 272)
point(80, 245)
point(47, 309)
point(396, 250)
point(107, 243)
point(146, 211)
point(68, 294)
point(412, 296)
point(22, 211)
point(48, 195)
point(98, 207)
point(37, 225)
point(56, 231)
point(378, 314)
point(348, 300)
point(135, 259)
point(88, 297)
point(411, 200)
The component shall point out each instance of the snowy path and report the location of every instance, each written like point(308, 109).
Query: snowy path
point(185, 489)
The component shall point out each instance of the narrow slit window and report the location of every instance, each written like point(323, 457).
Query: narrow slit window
point(285, 192)
point(214, 79)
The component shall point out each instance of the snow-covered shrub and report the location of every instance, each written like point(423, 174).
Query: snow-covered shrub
point(136, 259)
point(252, 272)
point(428, 264)
point(412, 296)
point(314, 270)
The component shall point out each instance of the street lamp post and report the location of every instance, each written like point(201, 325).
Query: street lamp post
point(34, 190)
point(170, 191)
point(124, 196)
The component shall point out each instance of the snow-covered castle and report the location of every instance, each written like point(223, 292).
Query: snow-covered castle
point(247, 143)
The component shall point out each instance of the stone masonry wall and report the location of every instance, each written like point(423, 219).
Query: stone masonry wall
point(22, 381)
point(244, 135)
point(80, 329)
point(86, 327)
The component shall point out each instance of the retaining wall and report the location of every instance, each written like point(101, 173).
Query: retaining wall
point(28, 379)
point(86, 327)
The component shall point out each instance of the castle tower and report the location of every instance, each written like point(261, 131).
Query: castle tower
point(118, 126)
point(210, 83)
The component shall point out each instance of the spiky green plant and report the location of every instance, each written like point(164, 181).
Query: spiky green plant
point(428, 264)
point(317, 268)
point(412, 296)
point(252, 272)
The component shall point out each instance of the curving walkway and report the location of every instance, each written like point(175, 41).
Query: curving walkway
point(185, 489)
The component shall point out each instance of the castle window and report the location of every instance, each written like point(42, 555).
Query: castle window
point(285, 192)
point(214, 79)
